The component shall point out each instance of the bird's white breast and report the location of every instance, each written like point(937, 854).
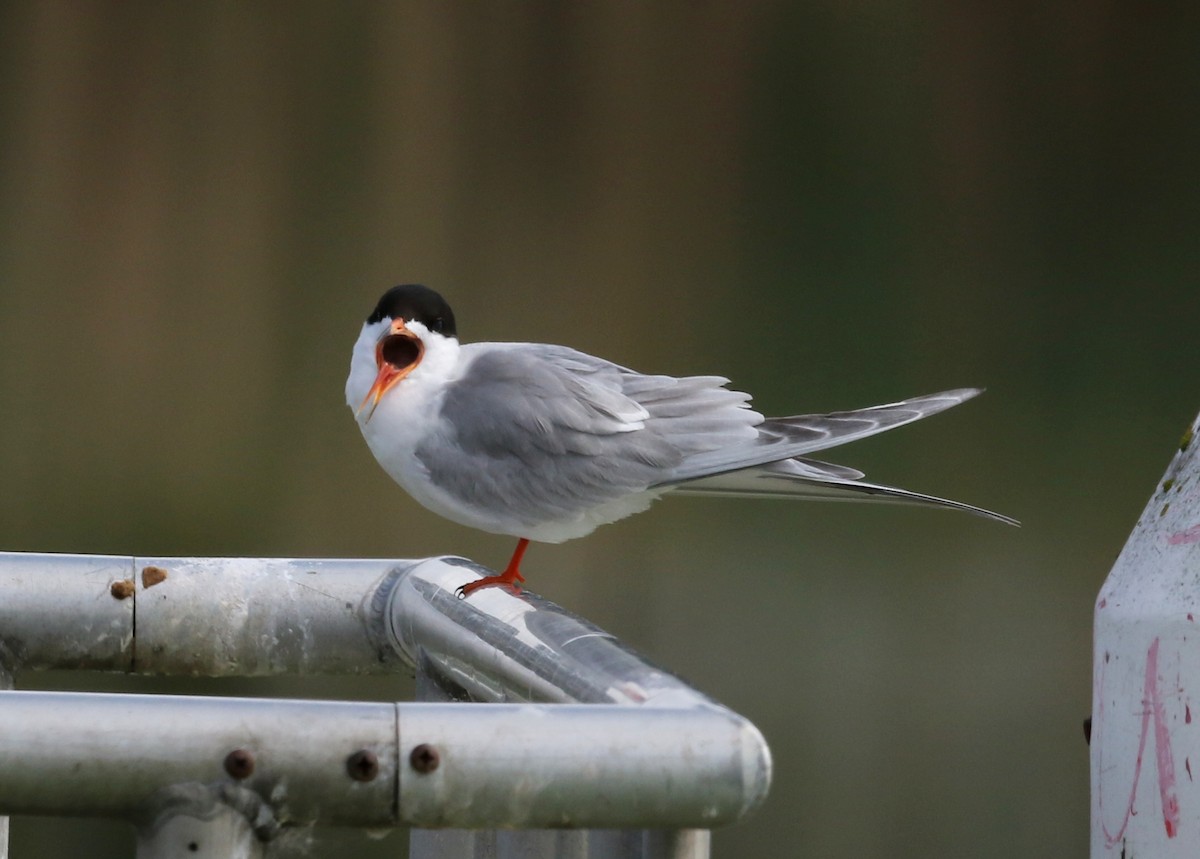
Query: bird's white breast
point(408, 414)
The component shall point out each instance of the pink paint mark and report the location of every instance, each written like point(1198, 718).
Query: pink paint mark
point(1191, 535)
point(1192, 619)
point(1162, 745)
point(1103, 603)
point(1187, 714)
point(1152, 708)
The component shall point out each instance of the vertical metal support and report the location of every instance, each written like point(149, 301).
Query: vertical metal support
point(6, 682)
point(225, 835)
point(195, 821)
point(679, 843)
point(560, 844)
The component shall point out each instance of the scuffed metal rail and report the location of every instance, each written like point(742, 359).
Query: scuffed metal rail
point(666, 756)
point(375, 764)
point(193, 616)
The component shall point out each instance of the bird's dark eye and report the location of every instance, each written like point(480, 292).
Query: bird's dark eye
point(436, 325)
point(400, 351)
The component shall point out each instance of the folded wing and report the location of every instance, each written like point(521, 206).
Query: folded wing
point(818, 481)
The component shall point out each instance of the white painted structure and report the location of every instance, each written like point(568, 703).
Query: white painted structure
point(1145, 738)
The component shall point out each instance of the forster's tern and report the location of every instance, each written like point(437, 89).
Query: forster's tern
point(546, 443)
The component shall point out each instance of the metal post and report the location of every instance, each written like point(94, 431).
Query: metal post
point(224, 835)
point(560, 844)
point(6, 683)
point(209, 822)
point(1146, 669)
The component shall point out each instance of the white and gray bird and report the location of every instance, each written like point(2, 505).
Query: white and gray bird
point(547, 443)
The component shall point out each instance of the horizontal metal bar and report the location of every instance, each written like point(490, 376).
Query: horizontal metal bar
point(193, 616)
point(76, 753)
point(589, 766)
point(70, 753)
point(58, 611)
point(257, 616)
point(254, 616)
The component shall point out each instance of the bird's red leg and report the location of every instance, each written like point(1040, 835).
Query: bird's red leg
point(509, 578)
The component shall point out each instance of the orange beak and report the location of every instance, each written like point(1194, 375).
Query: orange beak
point(397, 354)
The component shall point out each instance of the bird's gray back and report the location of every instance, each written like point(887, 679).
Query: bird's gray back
point(547, 432)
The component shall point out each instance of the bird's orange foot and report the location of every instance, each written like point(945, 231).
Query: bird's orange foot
point(505, 579)
point(508, 579)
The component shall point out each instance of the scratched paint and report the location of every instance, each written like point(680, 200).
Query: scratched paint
point(1153, 710)
point(1162, 745)
point(1188, 535)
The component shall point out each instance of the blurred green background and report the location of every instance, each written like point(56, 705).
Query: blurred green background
point(834, 204)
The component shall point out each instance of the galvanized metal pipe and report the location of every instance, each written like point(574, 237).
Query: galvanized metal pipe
point(6, 683)
point(255, 616)
point(670, 761)
point(377, 765)
point(578, 766)
point(66, 611)
point(498, 646)
point(193, 616)
point(109, 755)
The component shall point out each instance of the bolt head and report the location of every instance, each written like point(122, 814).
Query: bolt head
point(363, 765)
point(240, 763)
point(424, 758)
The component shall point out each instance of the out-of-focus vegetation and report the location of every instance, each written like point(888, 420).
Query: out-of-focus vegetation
point(833, 204)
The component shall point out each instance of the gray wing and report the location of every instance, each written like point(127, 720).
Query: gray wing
point(773, 465)
point(819, 481)
point(786, 438)
point(547, 433)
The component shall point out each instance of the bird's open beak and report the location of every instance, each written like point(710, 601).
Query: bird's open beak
point(397, 354)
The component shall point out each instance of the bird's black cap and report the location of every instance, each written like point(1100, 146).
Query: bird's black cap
point(416, 303)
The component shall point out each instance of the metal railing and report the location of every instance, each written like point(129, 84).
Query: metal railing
point(535, 733)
